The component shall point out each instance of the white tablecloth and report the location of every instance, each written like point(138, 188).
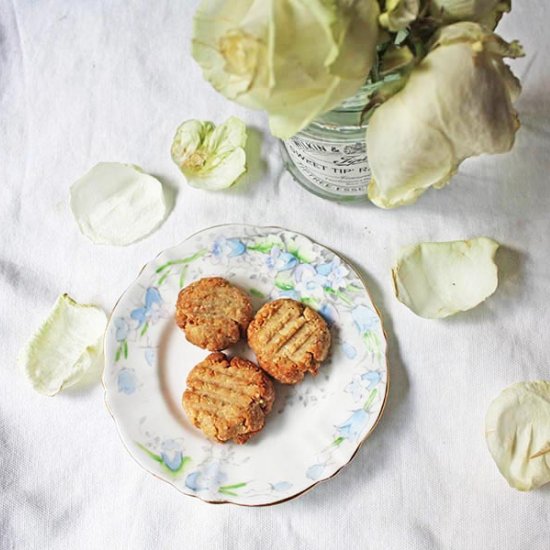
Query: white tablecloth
point(82, 82)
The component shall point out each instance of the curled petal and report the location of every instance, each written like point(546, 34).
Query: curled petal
point(517, 429)
point(65, 347)
point(456, 104)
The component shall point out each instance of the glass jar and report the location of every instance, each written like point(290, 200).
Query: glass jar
point(329, 157)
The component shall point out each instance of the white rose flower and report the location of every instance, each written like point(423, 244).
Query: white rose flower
point(456, 104)
point(210, 157)
point(292, 58)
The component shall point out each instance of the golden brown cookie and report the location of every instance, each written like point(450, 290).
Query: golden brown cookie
point(289, 339)
point(213, 313)
point(228, 399)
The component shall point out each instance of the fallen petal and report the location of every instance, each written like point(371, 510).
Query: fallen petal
point(117, 204)
point(517, 429)
point(435, 280)
point(65, 347)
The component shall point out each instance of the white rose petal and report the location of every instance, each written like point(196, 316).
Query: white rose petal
point(210, 157)
point(435, 280)
point(517, 428)
point(456, 104)
point(65, 347)
point(117, 204)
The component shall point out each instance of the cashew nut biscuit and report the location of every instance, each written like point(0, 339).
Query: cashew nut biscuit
point(213, 313)
point(228, 399)
point(289, 339)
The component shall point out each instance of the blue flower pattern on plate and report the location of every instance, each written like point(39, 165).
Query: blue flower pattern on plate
point(150, 356)
point(349, 350)
point(281, 486)
point(292, 294)
point(127, 381)
point(151, 312)
point(365, 318)
point(315, 471)
point(209, 478)
point(360, 385)
point(334, 274)
point(354, 426)
point(280, 261)
point(329, 313)
point(172, 455)
point(223, 249)
point(122, 329)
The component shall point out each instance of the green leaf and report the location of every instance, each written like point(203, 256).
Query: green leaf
point(311, 302)
point(372, 342)
point(144, 329)
point(264, 248)
point(344, 298)
point(157, 458)
point(125, 346)
point(339, 294)
point(256, 293)
point(228, 489)
point(185, 460)
point(224, 492)
point(234, 486)
point(284, 285)
point(353, 288)
point(163, 278)
point(151, 454)
point(187, 260)
point(303, 259)
point(117, 355)
point(295, 251)
point(369, 401)
point(338, 441)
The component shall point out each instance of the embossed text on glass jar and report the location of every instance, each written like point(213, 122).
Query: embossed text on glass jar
point(329, 157)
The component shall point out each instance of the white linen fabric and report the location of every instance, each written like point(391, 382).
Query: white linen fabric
point(111, 80)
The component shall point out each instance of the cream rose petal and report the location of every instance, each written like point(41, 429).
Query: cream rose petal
point(399, 14)
point(65, 347)
point(293, 59)
point(117, 204)
point(487, 12)
point(456, 104)
point(210, 157)
point(435, 280)
point(517, 429)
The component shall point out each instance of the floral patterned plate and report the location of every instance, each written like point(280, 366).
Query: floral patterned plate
point(315, 427)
